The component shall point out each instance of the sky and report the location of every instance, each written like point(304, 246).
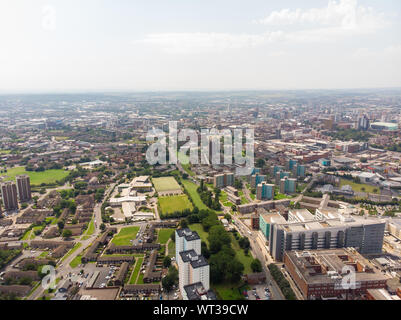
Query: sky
point(157, 45)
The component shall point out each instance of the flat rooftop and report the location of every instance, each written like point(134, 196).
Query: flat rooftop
point(192, 257)
point(188, 234)
point(326, 266)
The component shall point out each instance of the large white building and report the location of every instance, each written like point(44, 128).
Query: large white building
point(329, 229)
point(193, 268)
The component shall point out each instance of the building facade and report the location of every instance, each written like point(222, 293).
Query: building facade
point(9, 195)
point(24, 188)
point(366, 235)
point(288, 185)
point(265, 191)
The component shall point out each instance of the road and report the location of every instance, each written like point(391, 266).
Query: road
point(258, 252)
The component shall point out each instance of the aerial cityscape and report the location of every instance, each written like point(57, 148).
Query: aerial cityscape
point(202, 195)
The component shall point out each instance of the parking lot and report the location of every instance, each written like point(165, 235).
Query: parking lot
point(105, 274)
point(258, 292)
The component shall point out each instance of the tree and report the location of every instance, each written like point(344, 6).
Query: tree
point(260, 163)
point(171, 279)
point(172, 236)
point(67, 233)
point(60, 225)
point(166, 262)
point(244, 243)
point(238, 184)
point(218, 237)
point(256, 265)
point(227, 216)
point(102, 227)
point(184, 223)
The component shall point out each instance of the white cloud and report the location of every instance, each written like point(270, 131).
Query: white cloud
point(339, 20)
point(344, 13)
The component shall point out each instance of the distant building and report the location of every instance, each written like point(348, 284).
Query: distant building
point(9, 195)
point(276, 169)
point(256, 179)
point(362, 123)
point(24, 188)
point(288, 185)
point(290, 164)
point(280, 175)
point(265, 191)
point(325, 162)
point(223, 180)
point(384, 126)
point(298, 171)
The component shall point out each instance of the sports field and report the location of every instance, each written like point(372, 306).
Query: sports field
point(174, 203)
point(125, 235)
point(359, 187)
point(37, 178)
point(166, 184)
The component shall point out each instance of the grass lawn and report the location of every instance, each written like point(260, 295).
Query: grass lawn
point(165, 184)
point(125, 235)
point(27, 235)
point(51, 220)
point(61, 138)
point(134, 274)
point(224, 201)
point(280, 196)
point(191, 188)
point(75, 248)
point(174, 203)
point(91, 228)
point(244, 200)
point(171, 249)
point(140, 279)
point(44, 254)
point(358, 186)
point(76, 261)
point(164, 235)
point(229, 291)
point(199, 229)
point(37, 178)
point(5, 151)
point(245, 260)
